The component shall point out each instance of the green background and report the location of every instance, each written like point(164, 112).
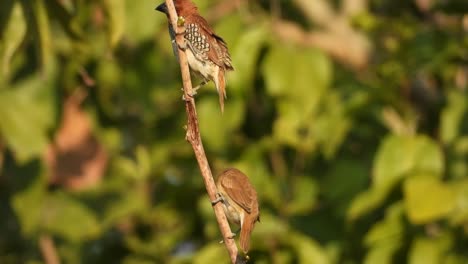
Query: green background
point(349, 116)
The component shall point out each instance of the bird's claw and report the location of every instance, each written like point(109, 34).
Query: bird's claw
point(191, 94)
point(218, 199)
point(229, 237)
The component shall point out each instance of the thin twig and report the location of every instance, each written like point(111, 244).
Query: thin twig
point(354, 51)
point(49, 253)
point(193, 136)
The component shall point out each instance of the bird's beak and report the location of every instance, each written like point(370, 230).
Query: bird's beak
point(162, 8)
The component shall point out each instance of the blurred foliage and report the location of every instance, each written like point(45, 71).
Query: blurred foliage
point(355, 159)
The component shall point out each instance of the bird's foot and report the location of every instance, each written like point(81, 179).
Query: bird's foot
point(229, 237)
point(191, 94)
point(218, 199)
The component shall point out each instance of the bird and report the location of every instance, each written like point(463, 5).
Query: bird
point(240, 203)
point(207, 53)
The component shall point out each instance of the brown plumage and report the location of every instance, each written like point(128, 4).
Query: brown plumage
point(240, 203)
point(207, 53)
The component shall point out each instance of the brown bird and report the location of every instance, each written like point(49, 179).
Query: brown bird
point(207, 53)
point(240, 203)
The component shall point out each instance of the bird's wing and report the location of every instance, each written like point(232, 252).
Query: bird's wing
point(218, 52)
point(238, 187)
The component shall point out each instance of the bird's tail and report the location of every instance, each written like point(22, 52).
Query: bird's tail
point(246, 230)
point(221, 87)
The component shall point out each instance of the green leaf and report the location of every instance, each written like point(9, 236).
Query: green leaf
point(367, 201)
point(125, 204)
point(5, 12)
point(305, 193)
point(69, 22)
point(209, 114)
point(27, 114)
point(345, 180)
point(427, 199)
point(28, 205)
point(270, 228)
point(382, 253)
point(460, 214)
point(13, 34)
point(452, 116)
point(391, 228)
point(430, 250)
point(142, 20)
point(385, 238)
point(398, 156)
point(144, 162)
point(117, 17)
point(305, 77)
point(288, 128)
point(245, 57)
point(308, 250)
point(69, 218)
point(38, 21)
point(331, 126)
point(300, 86)
point(212, 253)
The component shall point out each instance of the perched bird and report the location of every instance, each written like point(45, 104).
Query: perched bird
point(207, 53)
point(240, 203)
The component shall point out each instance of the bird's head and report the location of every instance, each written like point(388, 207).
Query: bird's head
point(183, 7)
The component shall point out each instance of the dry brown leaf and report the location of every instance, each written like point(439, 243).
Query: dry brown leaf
point(76, 160)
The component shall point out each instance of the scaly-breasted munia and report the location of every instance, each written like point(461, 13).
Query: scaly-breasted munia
point(207, 53)
point(240, 203)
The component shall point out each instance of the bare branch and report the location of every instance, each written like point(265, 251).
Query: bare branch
point(193, 136)
point(49, 253)
point(349, 49)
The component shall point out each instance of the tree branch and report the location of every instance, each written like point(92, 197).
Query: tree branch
point(193, 137)
point(49, 253)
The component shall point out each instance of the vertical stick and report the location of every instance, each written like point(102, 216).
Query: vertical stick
point(193, 137)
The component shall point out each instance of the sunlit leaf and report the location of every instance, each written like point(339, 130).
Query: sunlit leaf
point(305, 77)
point(117, 17)
point(308, 250)
point(27, 114)
point(245, 56)
point(426, 250)
point(427, 199)
point(212, 253)
point(459, 216)
point(269, 228)
point(142, 28)
point(367, 201)
point(382, 253)
point(143, 159)
point(391, 228)
point(399, 155)
point(209, 114)
point(13, 34)
point(452, 115)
